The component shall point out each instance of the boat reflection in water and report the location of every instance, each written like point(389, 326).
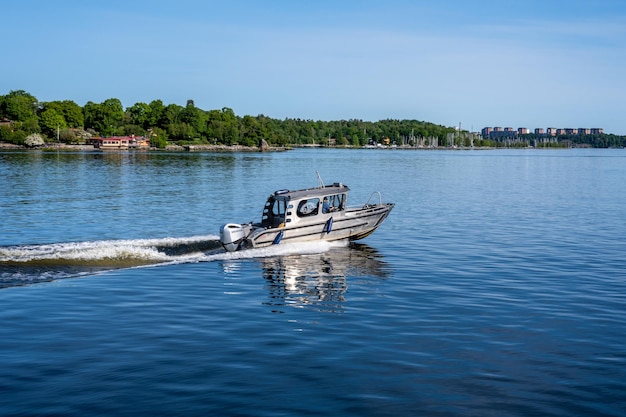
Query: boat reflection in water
point(320, 280)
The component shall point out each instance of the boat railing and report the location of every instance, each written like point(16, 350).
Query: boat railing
point(380, 199)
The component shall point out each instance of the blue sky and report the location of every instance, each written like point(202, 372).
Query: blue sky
point(549, 63)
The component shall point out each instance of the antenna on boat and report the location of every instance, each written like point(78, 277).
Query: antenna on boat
point(319, 179)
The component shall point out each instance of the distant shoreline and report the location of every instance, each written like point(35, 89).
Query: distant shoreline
point(175, 148)
point(241, 148)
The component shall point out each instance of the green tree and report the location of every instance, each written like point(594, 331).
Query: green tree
point(105, 117)
point(250, 131)
point(51, 122)
point(72, 113)
point(231, 126)
point(172, 123)
point(8, 135)
point(158, 138)
point(180, 131)
point(21, 107)
point(194, 118)
point(156, 113)
point(113, 112)
point(170, 115)
point(92, 113)
point(139, 114)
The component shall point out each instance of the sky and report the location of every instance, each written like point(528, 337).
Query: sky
point(531, 63)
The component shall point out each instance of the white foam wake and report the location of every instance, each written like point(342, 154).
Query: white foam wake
point(155, 250)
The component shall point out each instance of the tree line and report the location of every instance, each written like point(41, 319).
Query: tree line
point(21, 115)
point(68, 122)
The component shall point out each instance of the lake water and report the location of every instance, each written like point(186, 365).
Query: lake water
point(496, 287)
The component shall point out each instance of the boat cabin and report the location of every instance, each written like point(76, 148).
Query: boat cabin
point(285, 208)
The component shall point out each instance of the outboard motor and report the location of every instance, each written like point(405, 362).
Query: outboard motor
point(231, 235)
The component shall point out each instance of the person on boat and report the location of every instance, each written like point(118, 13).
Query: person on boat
point(326, 208)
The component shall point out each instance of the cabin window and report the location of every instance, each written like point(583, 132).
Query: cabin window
point(338, 201)
point(334, 203)
point(308, 207)
point(278, 208)
point(274, 213)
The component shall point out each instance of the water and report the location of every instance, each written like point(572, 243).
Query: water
point(495, 287)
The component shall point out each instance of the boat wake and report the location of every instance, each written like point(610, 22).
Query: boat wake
point(28, 264)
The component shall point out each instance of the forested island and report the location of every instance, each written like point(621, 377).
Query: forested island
point(25, 121)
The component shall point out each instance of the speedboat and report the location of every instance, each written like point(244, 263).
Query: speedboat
point(320, 213)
